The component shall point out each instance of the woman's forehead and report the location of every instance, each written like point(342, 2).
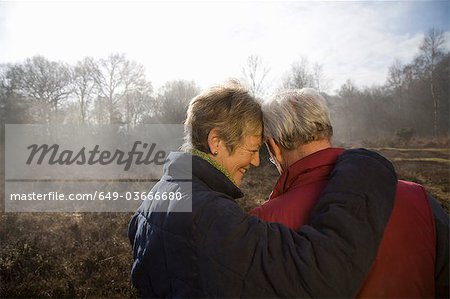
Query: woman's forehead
point(253, 128)
point(253, 140)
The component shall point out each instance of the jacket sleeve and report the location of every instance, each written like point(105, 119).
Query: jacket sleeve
point(329, 258)
point(441, 220)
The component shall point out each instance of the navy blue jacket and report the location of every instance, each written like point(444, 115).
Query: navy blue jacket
point(217, 250)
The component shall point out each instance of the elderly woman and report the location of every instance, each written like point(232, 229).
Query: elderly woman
point(216, 250)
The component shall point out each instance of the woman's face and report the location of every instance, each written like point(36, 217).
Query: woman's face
point(245, 154)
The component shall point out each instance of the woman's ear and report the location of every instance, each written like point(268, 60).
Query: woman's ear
point(214, 141)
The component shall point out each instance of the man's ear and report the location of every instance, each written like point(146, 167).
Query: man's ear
point(276, 149)
point(214, 141)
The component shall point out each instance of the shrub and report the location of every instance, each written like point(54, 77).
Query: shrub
point(405, 134)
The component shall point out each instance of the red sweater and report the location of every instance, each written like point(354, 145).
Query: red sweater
point(404, 266)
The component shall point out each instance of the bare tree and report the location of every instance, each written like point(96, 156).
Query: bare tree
point(45, 83)
point(117, 77)
point(138, 103)
point(5, 94)
point(255, 73)
point(299, 75)
point(431, 52)
point(173, 99)
point(347, 114)
point(83, 84)
point(320, 81)
point(99, 107)
point(348, 89)
point(396, 82)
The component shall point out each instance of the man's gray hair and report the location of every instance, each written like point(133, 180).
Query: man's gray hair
point(296, 117)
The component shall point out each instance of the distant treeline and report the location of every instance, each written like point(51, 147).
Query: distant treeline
point(105, 91)
point(114, 90)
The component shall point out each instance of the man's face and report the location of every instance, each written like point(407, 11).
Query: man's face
point(245, 154)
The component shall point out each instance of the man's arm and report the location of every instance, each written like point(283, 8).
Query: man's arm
point(329, 258)
point(442, 248)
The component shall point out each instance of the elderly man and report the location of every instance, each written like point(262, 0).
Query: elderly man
point(412, 260)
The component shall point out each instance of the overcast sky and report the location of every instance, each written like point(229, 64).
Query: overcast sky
point(209, 41)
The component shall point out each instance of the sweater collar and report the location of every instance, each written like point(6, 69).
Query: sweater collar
point(305, 168)
point(205, 156)
point(181, 164)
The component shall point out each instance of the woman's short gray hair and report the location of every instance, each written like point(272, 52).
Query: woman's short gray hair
point(296, 117)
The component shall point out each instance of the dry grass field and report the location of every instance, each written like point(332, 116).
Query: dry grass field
point(88, 254)
point(427, 166)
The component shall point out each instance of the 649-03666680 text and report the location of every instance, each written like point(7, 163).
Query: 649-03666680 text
point(97, 195)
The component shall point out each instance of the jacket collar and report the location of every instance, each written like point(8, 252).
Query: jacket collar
point(187, 166)
point(306, 169)
point(204, 156)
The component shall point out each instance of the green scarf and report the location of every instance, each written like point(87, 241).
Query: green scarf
point(213, 162)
